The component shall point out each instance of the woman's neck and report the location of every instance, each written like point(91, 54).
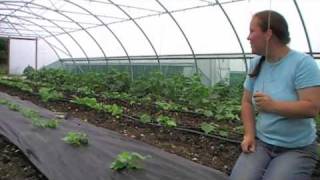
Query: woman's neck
point(277, 53)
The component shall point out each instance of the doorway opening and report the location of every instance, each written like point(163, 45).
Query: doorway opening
point(4, 55)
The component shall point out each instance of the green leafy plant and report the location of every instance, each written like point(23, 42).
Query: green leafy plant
point(49, 94)
point(207, 113)
point(85, 90)
point(76, 138)
point(29, 113)
point(3, 102)
point(44, 123)
point(167, 106)
point(16, 83)
point(114, 109)
point(13, 107)
point(166, 121)
point(145, 118)
point(90, 102)
point(28, 71)
point(53, 123)
point(128, 160)
point(210, 127)
point(207, 127)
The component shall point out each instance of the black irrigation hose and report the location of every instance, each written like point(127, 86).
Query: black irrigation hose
point(209, 135)
point(190, 131)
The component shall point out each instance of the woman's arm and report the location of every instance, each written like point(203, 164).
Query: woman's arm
point(247, 116)
point(308, 104)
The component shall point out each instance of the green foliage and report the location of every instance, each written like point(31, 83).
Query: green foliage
point(116, 81)
point(53, 123)
point(121, 96)
point(29, 113)
point(16, 83)
point(3, 70)
point(207, 127)
point(239, 129)
point(28, 71)
point(35, 117)
point(44, 123)
point(3, 102)
point(49, 94)
point(170, 93)
point(128, 160)
point(145, 118)
point(76, 138)
point(85, 91)
point(3, 44)
point(90, 102)
point(114, 109)
point(167, 106)
point(213, 128)
point(227, 110)
point(13, 107)
point(207, 113)
point(167, 121)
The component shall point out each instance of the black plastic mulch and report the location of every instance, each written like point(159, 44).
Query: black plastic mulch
point(60, 161)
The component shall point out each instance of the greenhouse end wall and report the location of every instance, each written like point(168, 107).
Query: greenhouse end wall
point(22, 54)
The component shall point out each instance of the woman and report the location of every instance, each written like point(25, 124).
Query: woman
point(284, 89)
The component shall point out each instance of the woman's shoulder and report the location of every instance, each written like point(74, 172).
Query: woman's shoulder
point(300, 56)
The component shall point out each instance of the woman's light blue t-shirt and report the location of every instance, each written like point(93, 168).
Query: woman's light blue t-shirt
point(281, 81)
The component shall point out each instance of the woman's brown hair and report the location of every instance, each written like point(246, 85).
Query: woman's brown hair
point(269, 19)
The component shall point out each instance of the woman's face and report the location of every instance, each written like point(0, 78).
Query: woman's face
point(257, 38)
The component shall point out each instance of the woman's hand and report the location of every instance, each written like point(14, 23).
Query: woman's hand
point(248, 144)
point(263, 102)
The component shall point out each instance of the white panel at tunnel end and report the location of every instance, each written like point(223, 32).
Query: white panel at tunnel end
point(22, 54)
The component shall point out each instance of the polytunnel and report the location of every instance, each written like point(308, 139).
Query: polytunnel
point(68, 112)
point(193, 36)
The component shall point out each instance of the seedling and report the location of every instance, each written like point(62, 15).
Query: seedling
point(207, 127)
point(53, 123)
point(49, 94)
point(44, 123)
point(167, 121)
point(145, 118)
point(13, 107)
point(115, 110)
point(29, 113)
point(3, 101)
point(76, 138)
point(128, 160)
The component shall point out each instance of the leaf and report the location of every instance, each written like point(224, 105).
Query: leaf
point(145, 118)
point(206, 127)
point(128, 160)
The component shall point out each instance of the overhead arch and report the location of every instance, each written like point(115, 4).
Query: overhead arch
point(110, 30)
point(49, 32)
point(57, 25)
point(139, 27)
point(182, 32)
